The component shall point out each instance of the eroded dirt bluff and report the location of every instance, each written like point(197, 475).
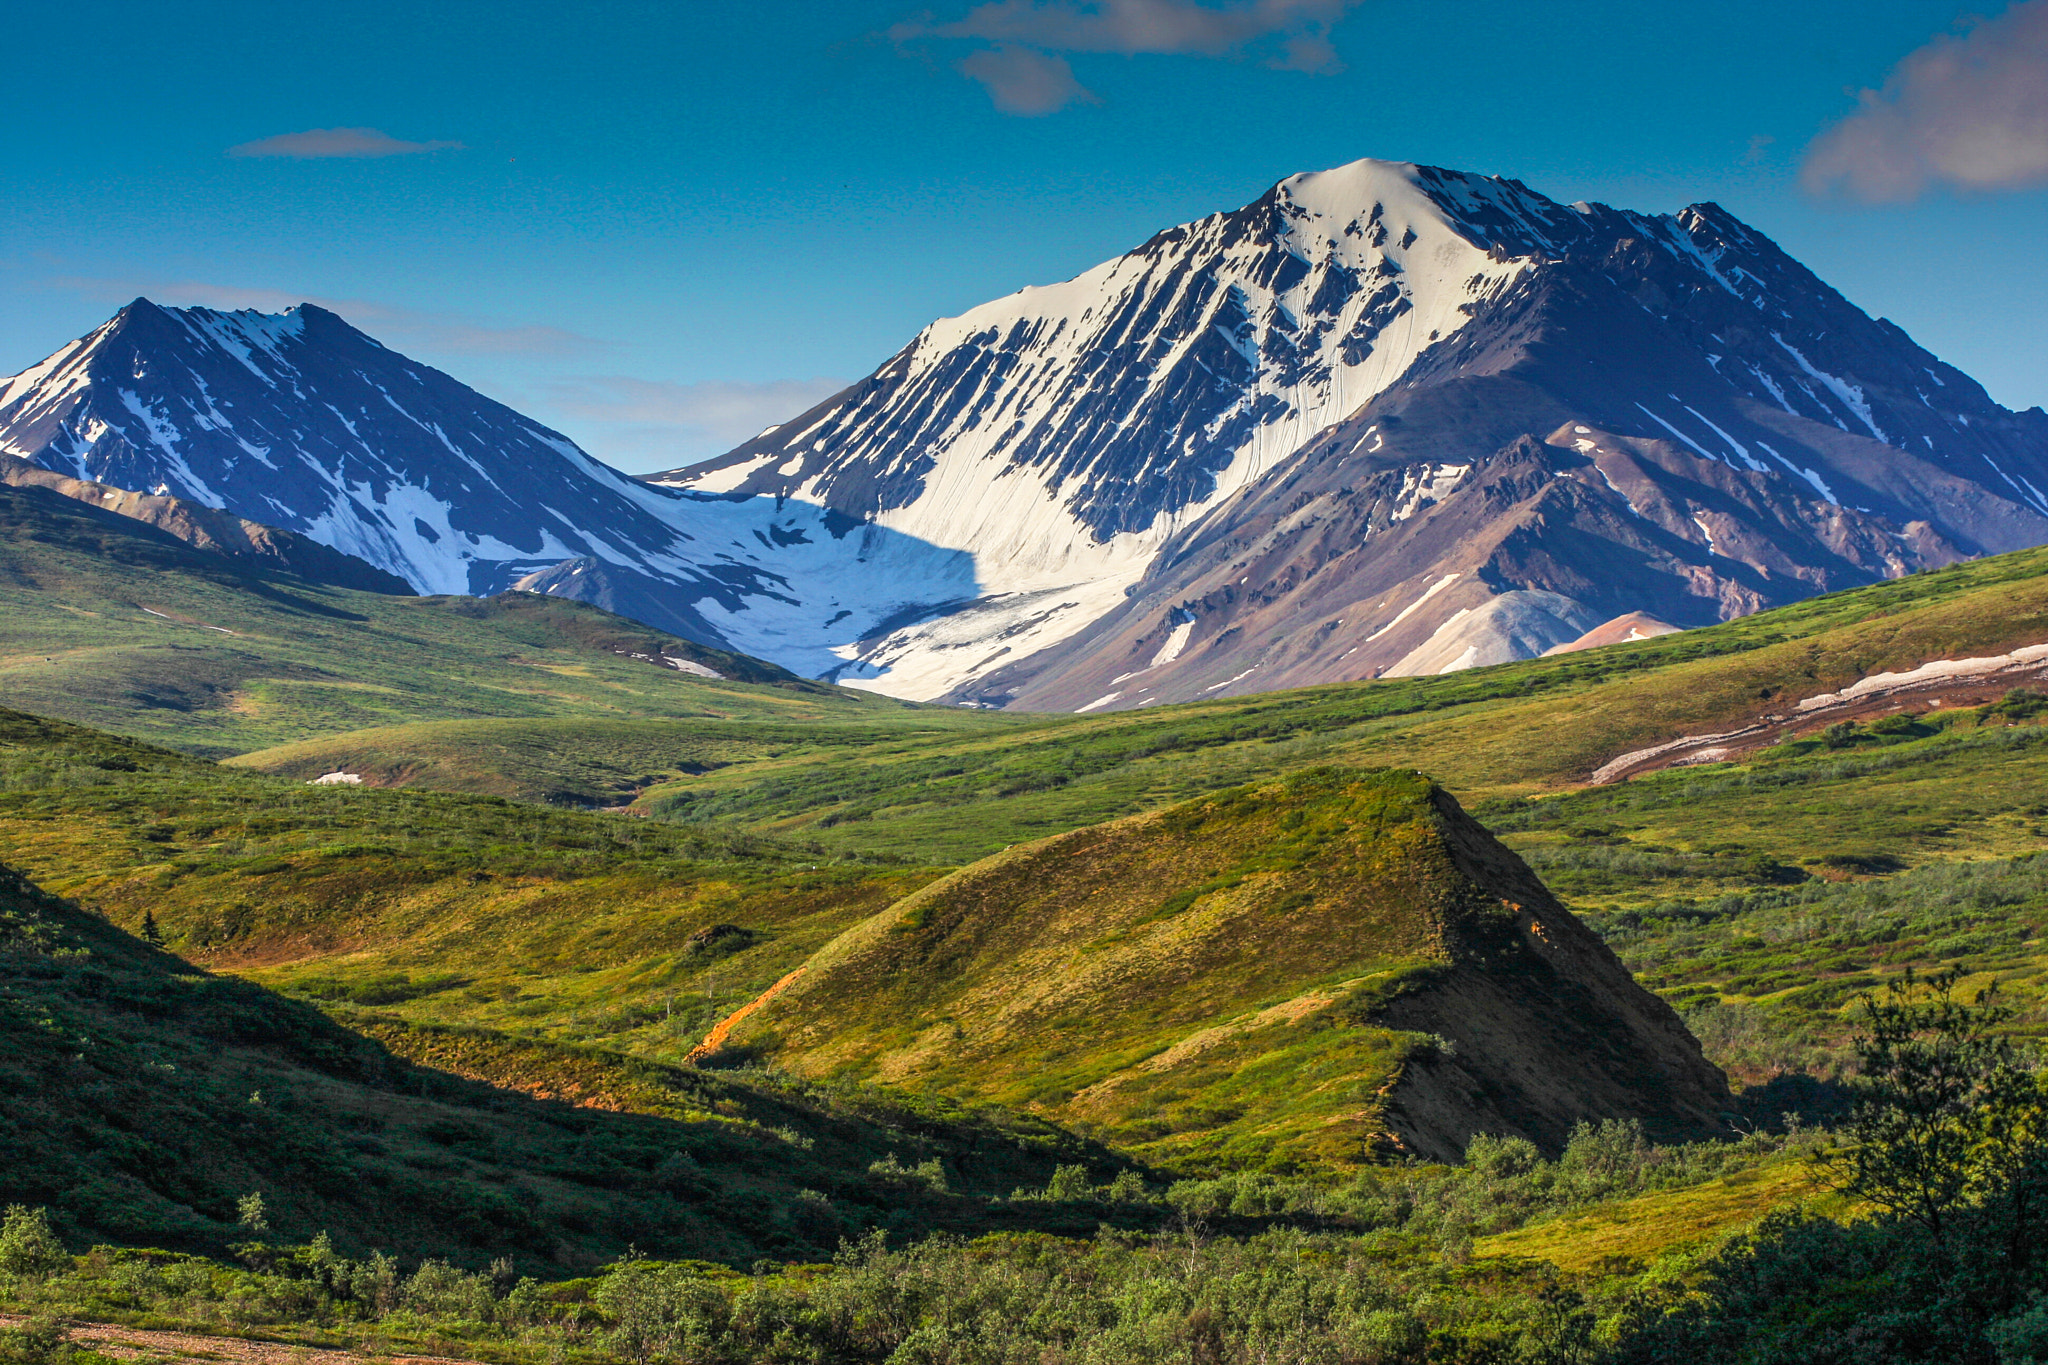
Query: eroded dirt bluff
point(1549, 1027)
point(1326, 969)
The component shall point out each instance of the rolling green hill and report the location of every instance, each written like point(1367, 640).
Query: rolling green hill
point(460, 909)
point(110, 622)
point(1299, 974)
point(949, 791)
point(144, 1100)
point(1694, 874)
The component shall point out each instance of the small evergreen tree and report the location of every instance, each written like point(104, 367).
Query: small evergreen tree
point(150, 933)
point(1069, 1184)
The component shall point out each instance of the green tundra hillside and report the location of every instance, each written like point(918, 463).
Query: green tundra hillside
point(111, 622)
point(143, 1100)
point(1299, 973)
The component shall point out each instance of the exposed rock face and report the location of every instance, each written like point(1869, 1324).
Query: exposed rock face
point(1549, 1026)
point(1380, 421)
point(1633, 625)
point(1126, 976)
point(221, 533)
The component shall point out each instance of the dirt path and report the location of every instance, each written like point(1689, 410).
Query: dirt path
point(130, 1343)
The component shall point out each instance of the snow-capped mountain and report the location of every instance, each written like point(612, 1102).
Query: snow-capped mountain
point(299, 421)
point(1393, 419)
point(1386, 419)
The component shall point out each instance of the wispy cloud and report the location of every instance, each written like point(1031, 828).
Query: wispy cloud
point(402, 328)
point(1968, 111)
point(1018, 58)
point(665, 425)
point(1022, 80)
point(320, 143)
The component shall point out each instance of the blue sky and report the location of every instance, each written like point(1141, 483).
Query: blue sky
point(660, 226)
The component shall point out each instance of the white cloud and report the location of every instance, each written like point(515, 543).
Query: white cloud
point(322, 143)
point(1020, 63)
point(1967, 112)
point(647, 424)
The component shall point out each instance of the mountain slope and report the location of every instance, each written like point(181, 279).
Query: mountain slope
point(1385, 419)
point(222, 533)
point(107, 620)
point(1282, 974)
point(299, 421)
point(1255, 451)
point(144, 1098)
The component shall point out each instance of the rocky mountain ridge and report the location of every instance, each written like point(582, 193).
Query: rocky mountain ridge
point(1385, 419)
point(206, 528)
point(1606, 413)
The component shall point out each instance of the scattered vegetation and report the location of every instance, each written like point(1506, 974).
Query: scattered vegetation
point(1377, 1268)
point(439, 1109)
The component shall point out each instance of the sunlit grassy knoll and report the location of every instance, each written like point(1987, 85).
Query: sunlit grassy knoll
point(452, 907)
point(1621, 1236)
point(1213, 986)
point(144, 1100)
point(1080, 978)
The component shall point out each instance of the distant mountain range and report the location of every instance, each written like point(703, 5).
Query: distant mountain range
point(1384, 420)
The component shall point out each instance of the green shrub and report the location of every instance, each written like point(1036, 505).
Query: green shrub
point(28, 1249)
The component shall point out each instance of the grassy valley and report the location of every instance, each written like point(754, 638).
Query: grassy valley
point(1221, 979)
point(948, 791)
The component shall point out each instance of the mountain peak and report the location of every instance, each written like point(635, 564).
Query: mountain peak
point(297, 420)
point(1295, 442)
point(1227, 460)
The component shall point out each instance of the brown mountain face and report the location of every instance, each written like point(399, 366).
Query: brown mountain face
point(1634, 625)
point(217, 532)
point(1504, 502)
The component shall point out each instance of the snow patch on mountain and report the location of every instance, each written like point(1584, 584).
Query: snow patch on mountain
point(1513, 625)
point(1064, 434)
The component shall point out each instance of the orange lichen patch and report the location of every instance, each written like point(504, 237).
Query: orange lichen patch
point(716, 1038)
